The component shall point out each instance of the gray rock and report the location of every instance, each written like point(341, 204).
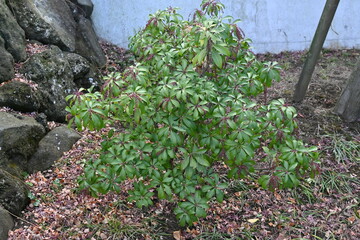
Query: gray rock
point(20, 96)
point(13, 194)
point(12, 168)
point(54, 76)
point(90, 80)
point(6, 223)
point(75, 9)
point(79, 65)
point(19, 139)
point(12, 33)
point(86, 6)
point(84, 9)
point(6, 63)
point(51, 148)
point(47, 21)
point(85, 73)
point(54, 22)
point(42, 119)
point(87, 43)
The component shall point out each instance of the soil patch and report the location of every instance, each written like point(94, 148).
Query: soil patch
point(315, 113)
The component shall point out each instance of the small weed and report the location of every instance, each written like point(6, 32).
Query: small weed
point(35, 201)
point(323, 73)
point(119, 230)
point(238, 185)
point(286, 66)
point(116, 229)
point(328, 235)
point(345, 151)
point(213, 235)
point(331, 181)
point(304, 193)
point(350, 64)
point(57, 185)
point(332, 59)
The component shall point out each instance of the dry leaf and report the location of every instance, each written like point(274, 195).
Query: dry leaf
point(277, 196)
point(253, 220)
point(351, 219)
point(292, 200)
point(177, 235)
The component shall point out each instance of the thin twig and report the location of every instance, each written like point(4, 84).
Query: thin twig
point(20, 218)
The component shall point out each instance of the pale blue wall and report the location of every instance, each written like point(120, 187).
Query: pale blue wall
point(273, 25)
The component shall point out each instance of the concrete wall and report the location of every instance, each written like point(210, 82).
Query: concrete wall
point(273, 25)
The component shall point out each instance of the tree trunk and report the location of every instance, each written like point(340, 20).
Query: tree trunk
point(315, 49)
point(348, 106)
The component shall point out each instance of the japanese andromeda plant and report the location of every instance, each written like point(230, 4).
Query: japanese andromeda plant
point(188, 114)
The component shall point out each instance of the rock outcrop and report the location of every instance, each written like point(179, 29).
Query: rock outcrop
point(54, 76)
point(54, 22)
point(71, 61)
point(79, 65)
point(6, 63)
point(25, 147)
point(13, 194)
point(51, 148)
point(6, 223)
point(83, 72)
point(86, 7)
point(49, 22)
point(88, 46)
point(21, 97)
point(12, 33)
point(19, 139)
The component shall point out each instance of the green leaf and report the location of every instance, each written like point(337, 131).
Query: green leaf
point(223, 50)
point(217, 59)
point(200, 212)
point(97, 121)
point(219, 196)
point(137, 115)
point(210, 193)
point(222, 185)
point(232, 124)
point(286, 165)
point(292, 168)
point(249, 151)
point(274, 75)
point(89, 174)
point(206, 188)
point(294, 179)
point(161, 193)
point(199, 58)
point(185, 163)
point(312, 149)
point(170, 153)
point(202, 161)
point(180, 129)
point(264, 181)
point(174, 138)
point(193, 163)
point(111, 133)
